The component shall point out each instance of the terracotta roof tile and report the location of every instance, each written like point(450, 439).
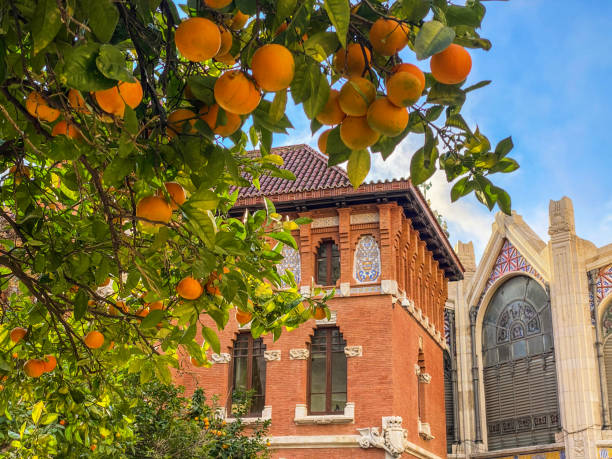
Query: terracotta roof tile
point(310, 169)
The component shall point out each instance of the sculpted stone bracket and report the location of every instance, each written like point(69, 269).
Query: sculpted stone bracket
point(272, 356)
point(392, 438)
point(425, 431)
point(220, 358)
point(353, 351)
point(298, 354)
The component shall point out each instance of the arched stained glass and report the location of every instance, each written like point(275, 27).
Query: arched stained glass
point(291, 262)
point(367, 260)
point(520, 378)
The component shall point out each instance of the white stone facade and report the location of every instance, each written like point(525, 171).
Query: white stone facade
point(568, 268)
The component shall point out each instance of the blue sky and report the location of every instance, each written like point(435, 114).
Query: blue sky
point(551, 69)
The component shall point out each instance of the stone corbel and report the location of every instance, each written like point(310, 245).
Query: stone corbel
point(272, 356)
point(425, 431)
point(353, 351)
point(220, 358)
point(392, 438)
point(298, 354)
point(424, 378)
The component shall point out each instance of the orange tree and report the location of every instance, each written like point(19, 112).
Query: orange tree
point(124, 129)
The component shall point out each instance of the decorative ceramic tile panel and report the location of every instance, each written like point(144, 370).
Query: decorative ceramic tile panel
point(367, 260)
point(365, 218)
point(291, 262)
point(604, 283)
point(509, 260)
point(325, 222)
point(447, 326)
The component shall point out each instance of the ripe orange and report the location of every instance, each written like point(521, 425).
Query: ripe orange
point(114, 310)
point(226, 59)
point(64, 128)
point(386, 118)
point(235, 93)
point(157, 305)
point(332, 113)
point(226, 41)
point(412, 69)
point(322, 143)
point(49, 363)
point(388, 36)
point(238, 21)
point(243, 317)
point(105, 283)
point(198, 39)
point(356, 133)
point(273, 67)
point(189, 288)
point(19, 173)
point(131, 93)
point(403, 89)
point(94, 339)
point(76, 101)
point(17, 334)
point(195, 363)
point(34, 368)
point(281, 28)
point(144, 312)
point(319, 313)
point(212, 285)
point(155, 209)
point(452, 65)
point(210, 114)
point(37, 106)
point(110, 101)
point(180, 121)
point(62, 422)
point(352, 61)
point(356, 95)
point(217, 4)
point(176, 192)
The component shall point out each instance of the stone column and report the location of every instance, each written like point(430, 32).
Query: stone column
point(579, 398)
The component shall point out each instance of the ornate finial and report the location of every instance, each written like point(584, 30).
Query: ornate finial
point(561, 214)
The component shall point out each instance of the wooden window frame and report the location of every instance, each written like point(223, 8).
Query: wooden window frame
point(328, 244)
point(249, 372)
point(328, 373)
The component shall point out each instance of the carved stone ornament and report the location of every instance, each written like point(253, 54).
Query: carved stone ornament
point(561, 215)
point(298, 354)
point(424, 378)
point(272, 356)
point(353, 351)
point(220, 358)
point(392, 437)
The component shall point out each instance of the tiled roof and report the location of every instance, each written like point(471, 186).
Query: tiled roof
point(310, 170)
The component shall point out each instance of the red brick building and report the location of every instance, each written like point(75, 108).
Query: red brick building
point(369, 382)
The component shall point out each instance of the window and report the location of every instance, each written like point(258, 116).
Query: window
point(328, 263)
point(327, 382)
point(518, 359)
point(249, 370)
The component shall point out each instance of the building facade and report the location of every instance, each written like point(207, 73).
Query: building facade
point(369, 381)
point(528, 369)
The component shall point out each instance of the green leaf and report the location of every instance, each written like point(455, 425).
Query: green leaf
point(37, 411)
point(337, 152)
point(504, 201)
point(433, 38)
point(422, 166)
point(339, 12)
point(412, 10)
point(444, 94)
point(279, 103)
point(505, 165)
point(45, 24)
point(480, 84)
point(152, 319)
point(103, 17)
point(111, 63)
point(504, 147)
point(463, 187)
point(117, 170)
point(285, 238)
point(457, 121)
point(462, 15)
point(79, 70)
point(319, 93)
point(204, 199)
point(358, 167)
point(321, 45)
point(211, 338)
point(80, 304)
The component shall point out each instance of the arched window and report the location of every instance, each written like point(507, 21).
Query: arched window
point(328, 263)
point(327, 372)
point(606, 333)
point(249, 370)
point(520, 380)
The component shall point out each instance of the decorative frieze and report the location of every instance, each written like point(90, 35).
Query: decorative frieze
point(299, 354)
point(371, 217)
point(273, 355)
point(353, 351)
point(220, 358)
point(325, 222)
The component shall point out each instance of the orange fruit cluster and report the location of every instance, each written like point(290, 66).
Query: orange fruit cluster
point(155, 210)
point(34, 368)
